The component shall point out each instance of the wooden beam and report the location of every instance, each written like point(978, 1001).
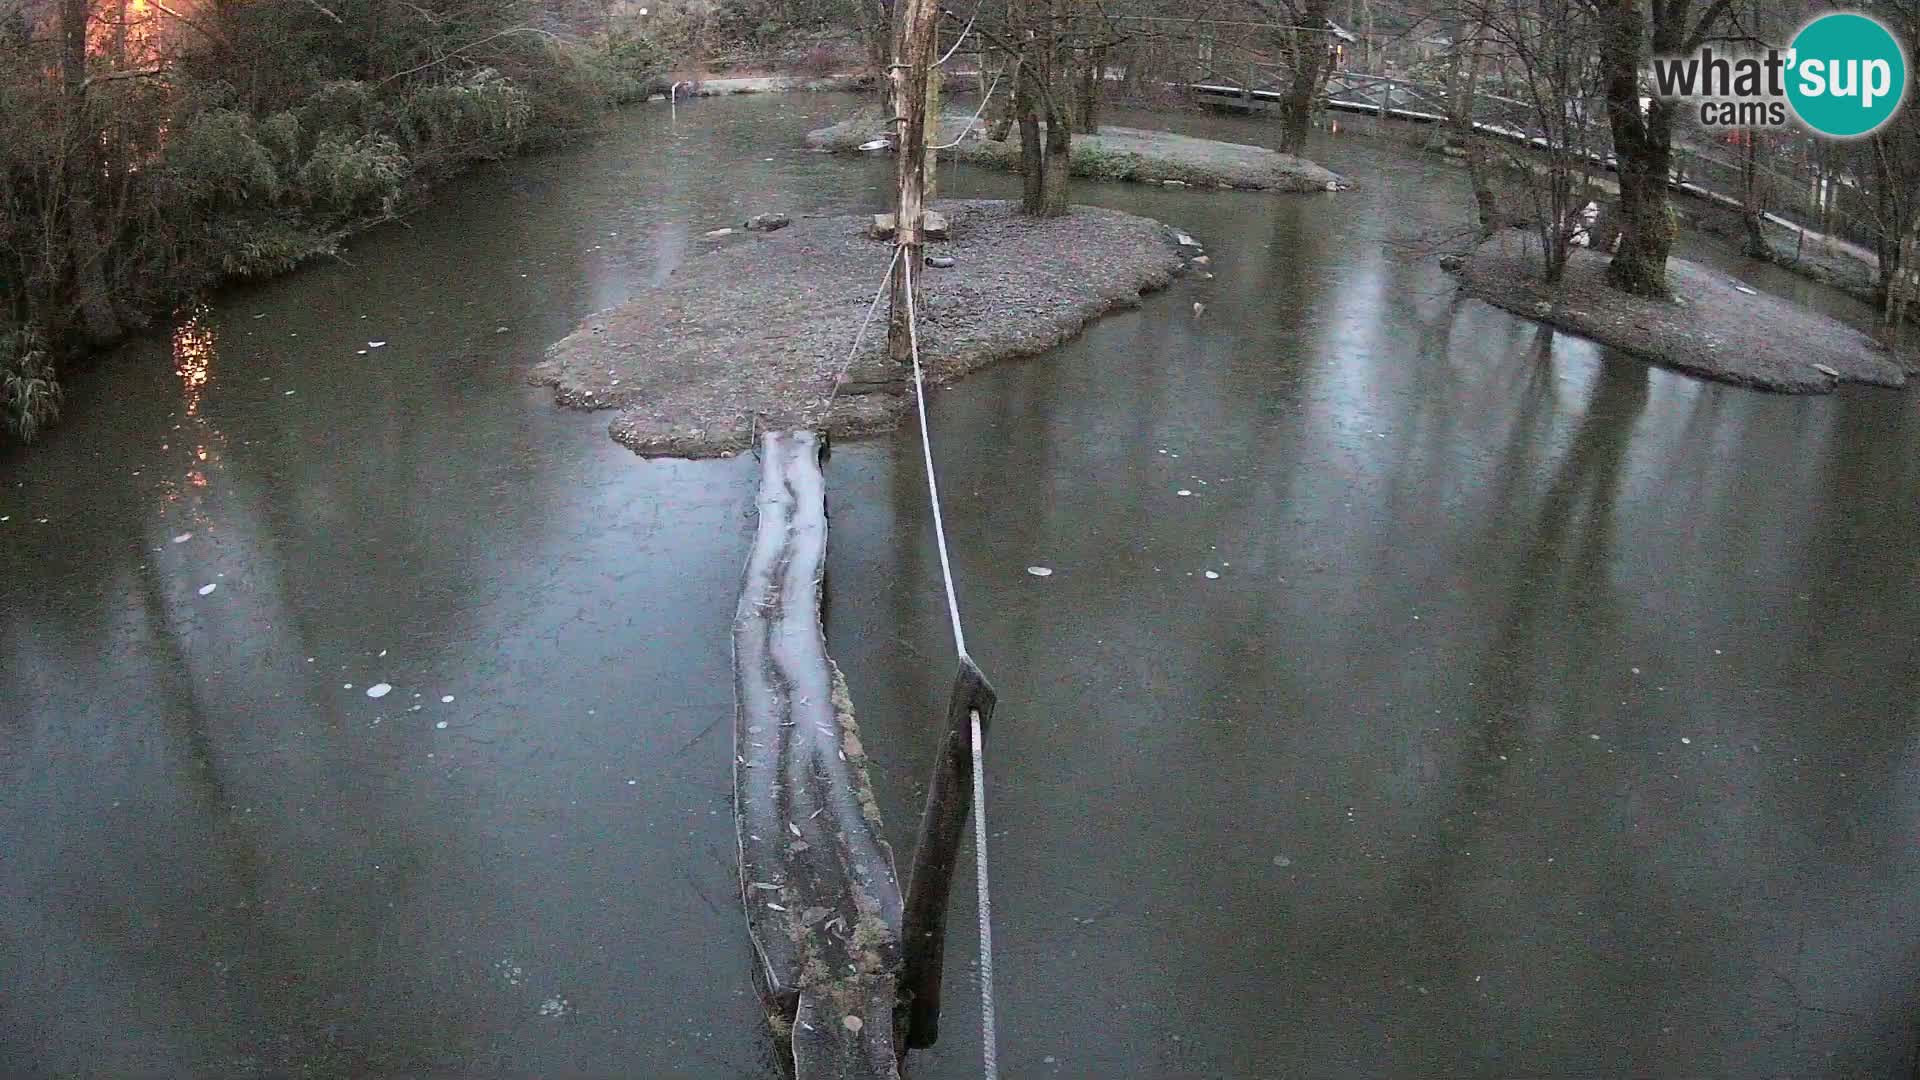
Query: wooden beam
point(817, 878)
point(937, 852)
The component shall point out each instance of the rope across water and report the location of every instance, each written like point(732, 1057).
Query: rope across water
point(988, 1039)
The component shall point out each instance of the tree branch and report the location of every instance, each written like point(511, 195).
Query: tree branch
point(118, 76)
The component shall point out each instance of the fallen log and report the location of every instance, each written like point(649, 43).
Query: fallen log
point(817, 878)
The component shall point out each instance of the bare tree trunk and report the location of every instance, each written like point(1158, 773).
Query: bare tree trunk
point(1093, 81)
point(1051, 80)
point(120, 34)
point(910, 78)
point(1319, 98)
point(1366, 14)
point(876, 32)
point(1643, 147)
point(1890, 202)
point(1753, 201)
point(928, 159)
point(1309, 54)
point(1465, 88)
point(85, 251)
point(1004, 111)
point(1031, 155)
point(1055, 180)
point(1605, 232)
point(1646, 226)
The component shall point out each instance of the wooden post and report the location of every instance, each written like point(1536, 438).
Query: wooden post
point(923, 933)
point(1386, 98)
point(912, 62)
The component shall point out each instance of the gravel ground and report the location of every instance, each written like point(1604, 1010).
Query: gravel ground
point(1712, 329)
point(1117, 153)
point(757, 333)
point(1811, 260)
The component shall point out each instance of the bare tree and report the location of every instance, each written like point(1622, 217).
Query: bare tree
point(1304, 38)
point(1039, 41)
point(1630, 32)
point(1546, 47)
point(86, 248)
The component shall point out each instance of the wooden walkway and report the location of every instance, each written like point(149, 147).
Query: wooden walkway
point(818, 882)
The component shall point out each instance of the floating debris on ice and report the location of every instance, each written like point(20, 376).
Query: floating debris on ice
point(1745, 289)
point(554, 1006)
point(441, 725)
point(376, 344)
point(1183, 492)
point(446, 699)
point(379, 690)
point(1039, 571)
point(183, 538)
point(1684, 741)
point(207, 589)
point(1213, 575)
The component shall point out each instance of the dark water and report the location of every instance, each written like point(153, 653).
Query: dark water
point(1550, 715)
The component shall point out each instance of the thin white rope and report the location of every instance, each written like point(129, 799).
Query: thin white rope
point(847, 365)
point(926, 449)
point(988, 1040)
point(965, 131)
point(990, 1054)
point(964, 31)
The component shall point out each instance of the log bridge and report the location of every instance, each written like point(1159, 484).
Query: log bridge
point(847, 987)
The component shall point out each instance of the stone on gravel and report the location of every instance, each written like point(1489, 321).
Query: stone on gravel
point(756, 336)
point(1712, 328)
point(940, 262)
point(1116, 153)
point(933, 226)
point(767, 222)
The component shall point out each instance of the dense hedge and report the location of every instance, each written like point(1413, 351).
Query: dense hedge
point(249, 140)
